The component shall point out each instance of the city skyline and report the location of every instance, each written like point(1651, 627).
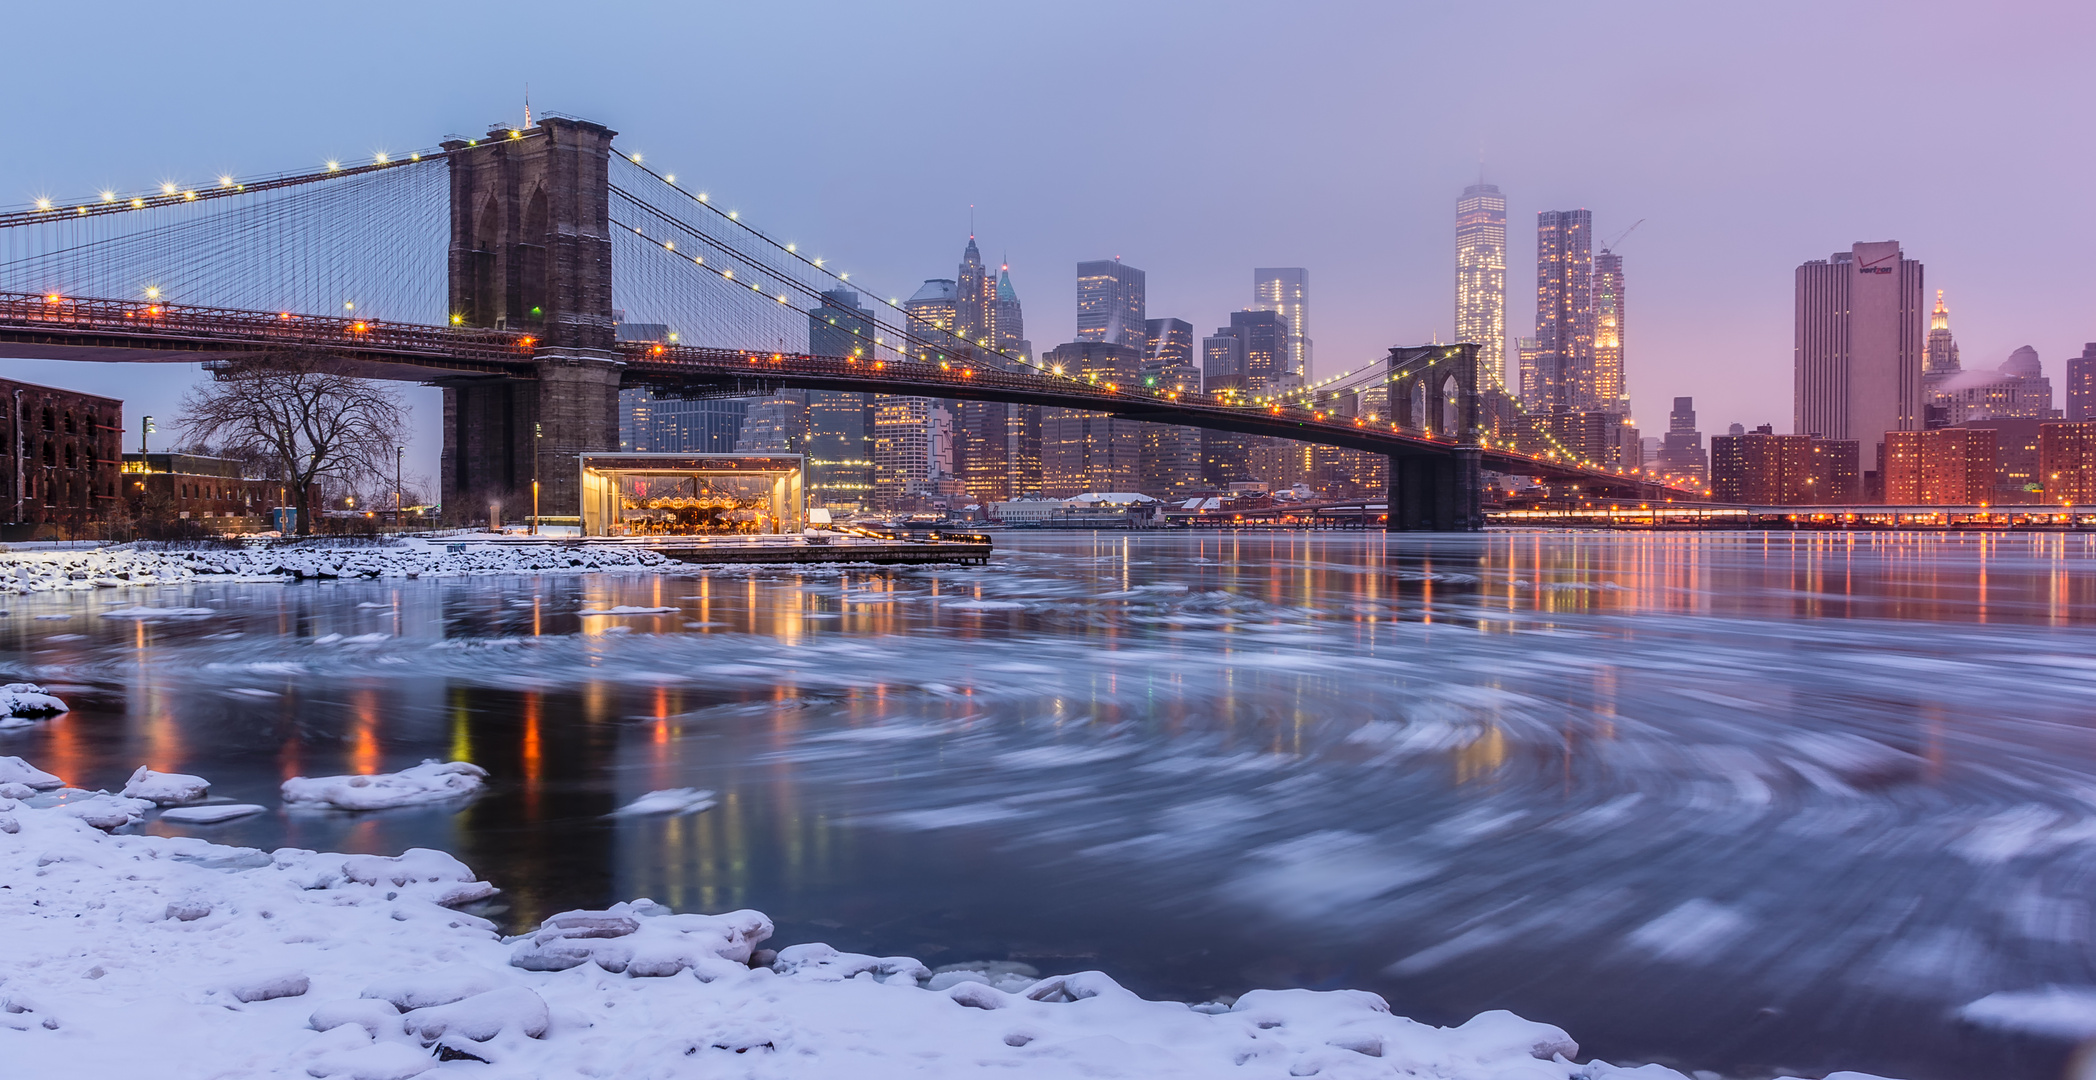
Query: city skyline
point(1362, 202)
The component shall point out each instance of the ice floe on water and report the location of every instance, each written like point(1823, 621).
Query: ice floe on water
point(429, 782)
point(669, 801)
point(624, 609)
point(133, 955)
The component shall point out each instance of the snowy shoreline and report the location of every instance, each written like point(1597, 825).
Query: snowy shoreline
point(137, 955)
point(119, 565)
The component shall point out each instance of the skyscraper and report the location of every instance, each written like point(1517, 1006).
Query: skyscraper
point(1223, 363)
point(975, 299)
point(1940, 356)
point(840, 423)
point(1089, 451)
point(1169, 364)
point(2081, 384)
point(1111, 303)
point(1265, 336)
point(1530, 386)
point(1857, 366)
point(1011, 323)
point(933, 313)
point(1285, 291)
point(1564, 310)
point(1681, 451)
point(1603, 389)
point(1481, 278)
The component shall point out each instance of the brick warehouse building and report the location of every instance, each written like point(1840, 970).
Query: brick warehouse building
point(64, 449)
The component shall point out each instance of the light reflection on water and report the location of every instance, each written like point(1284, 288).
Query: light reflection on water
point(1732, 801)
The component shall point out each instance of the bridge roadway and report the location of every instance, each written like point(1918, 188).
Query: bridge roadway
point(36, 326)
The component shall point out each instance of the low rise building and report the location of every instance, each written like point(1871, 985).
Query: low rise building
point(60, 477)
point(191, 487)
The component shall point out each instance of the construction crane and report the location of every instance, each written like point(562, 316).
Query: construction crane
point(1610, 245)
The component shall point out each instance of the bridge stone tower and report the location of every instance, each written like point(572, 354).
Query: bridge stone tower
point(1434, 389)
point(531, 252)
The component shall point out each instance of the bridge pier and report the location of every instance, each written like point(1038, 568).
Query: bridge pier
point(1436, 493)
point(501, 434)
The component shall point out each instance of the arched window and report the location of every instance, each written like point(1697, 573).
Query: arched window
point(50, 452)
point(1451, 416)
point(50, 419)
point(72, 456)
point(70, 429)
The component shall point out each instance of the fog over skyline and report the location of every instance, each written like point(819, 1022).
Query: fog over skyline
point(1196, 141)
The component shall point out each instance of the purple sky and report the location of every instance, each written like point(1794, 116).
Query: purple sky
point(1195, 140)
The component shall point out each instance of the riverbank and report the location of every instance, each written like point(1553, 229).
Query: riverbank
point(136, 955)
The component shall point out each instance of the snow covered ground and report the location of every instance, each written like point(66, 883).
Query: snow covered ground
point(133, 955)
point(130, 564)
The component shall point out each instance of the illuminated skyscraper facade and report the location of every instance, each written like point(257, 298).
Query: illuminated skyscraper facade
point(1603, 388)
point(1859, 340)
point(1011, 322)
point(1564, 311)
point(1481, 277)
point(1939, 359)
point(1285, 291)
point(1111, 303)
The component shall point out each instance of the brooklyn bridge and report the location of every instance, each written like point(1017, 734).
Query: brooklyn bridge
point(496, 268)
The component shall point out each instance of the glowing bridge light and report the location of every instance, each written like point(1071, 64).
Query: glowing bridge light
point(458, 320)
point(669, 245)
point(43, 204)
point(225, 181)
point(167, 189)
point(414, 157)
point(152, 292)
point(349, 305)
point(137, 203)
point(380, 158)
point(729, 274)
point(515, 134)
point(670, 179)
point(818, 263)
point(189, 196)
point(789, 249)
point(636, 159)
point(731, 215)
point(702, 196)
point(109, 196)
point(699, 259)
point(333, 165)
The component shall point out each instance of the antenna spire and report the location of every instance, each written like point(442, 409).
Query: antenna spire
point(527, 106)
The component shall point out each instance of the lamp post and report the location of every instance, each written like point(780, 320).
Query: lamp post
point(399, 518)
point(537, 432)
point(145, 428)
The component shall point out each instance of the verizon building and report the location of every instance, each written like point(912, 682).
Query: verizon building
point(1860, 336)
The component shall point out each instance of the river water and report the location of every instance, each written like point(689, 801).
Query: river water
point(1730, 802)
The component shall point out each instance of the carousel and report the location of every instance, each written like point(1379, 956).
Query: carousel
point(646, 495)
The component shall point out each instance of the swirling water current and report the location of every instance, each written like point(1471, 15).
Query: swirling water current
point(1732, 802)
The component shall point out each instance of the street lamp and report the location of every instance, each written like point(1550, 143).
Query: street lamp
point(538, 431)
point(145, 428)
point(398, 453)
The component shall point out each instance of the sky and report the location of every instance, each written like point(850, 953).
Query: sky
point(1196, 140)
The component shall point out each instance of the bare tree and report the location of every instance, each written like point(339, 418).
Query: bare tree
point(304, 414)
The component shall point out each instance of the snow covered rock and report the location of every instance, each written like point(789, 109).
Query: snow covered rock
point(166, 789)
point(21, 703)
point(681, 800)
point(430, 782)
point(267, 986)
point(14, 770)
point(422, 872)
point(427, 989)
point(482, 1016)
point(643, 938)
point(824, 964)
point(105, 811)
